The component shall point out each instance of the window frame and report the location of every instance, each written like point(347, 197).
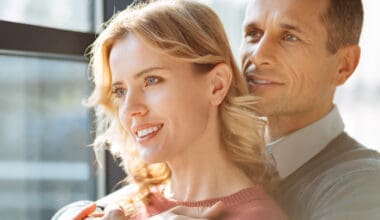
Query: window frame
point(27, 40)
point(37, 39)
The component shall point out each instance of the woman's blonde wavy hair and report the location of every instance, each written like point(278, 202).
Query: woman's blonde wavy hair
point(186, 31)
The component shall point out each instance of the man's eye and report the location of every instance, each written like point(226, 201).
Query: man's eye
point(119, 92)
point(253, 35)
point(152, 80)
point(290, 37)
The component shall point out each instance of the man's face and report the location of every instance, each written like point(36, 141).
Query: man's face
point(285, 59)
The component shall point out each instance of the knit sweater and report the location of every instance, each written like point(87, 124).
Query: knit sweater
point(342, 182)
point(251, 203)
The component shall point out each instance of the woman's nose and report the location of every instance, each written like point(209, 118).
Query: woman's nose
point(134, 106)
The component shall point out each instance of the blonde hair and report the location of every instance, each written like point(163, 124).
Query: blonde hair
point(191, 32)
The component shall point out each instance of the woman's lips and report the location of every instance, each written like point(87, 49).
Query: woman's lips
point(145, 132)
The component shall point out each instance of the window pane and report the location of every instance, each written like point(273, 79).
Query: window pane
point(44, 131)
point(63, 14)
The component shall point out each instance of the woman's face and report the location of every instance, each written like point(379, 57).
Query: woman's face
point(162, 103)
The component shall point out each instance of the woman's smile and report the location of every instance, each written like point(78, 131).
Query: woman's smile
point(145, 132)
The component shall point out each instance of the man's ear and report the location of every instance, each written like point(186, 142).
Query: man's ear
point(350, 56)
point(221, 77)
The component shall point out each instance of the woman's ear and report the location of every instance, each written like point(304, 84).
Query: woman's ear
point(350, 56)
point(221, 77)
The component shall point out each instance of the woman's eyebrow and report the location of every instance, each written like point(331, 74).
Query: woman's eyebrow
point(140, 74)
point(147, 70)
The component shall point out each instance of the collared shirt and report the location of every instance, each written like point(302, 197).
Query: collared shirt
point(294, 150)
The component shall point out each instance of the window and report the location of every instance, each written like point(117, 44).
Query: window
point(45, 130)
point(44, 133)
point(75, 15)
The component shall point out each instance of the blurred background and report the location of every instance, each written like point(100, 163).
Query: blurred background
point(45, 132)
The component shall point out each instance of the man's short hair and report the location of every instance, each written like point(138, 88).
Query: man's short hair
point(343, 20)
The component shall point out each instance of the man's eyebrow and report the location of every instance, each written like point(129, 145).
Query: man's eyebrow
point(251, 25)
point(140, 74)
point(286, 26)
point(293, 27)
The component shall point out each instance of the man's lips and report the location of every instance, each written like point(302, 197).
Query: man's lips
point(259, 82)
point(254, 79)
point(259, 78)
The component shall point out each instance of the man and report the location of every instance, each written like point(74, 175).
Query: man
point(294, 54)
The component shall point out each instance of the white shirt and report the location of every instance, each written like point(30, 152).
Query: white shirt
point(294, 150)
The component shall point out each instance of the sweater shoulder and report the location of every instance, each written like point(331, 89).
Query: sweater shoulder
point(335, 179)
point(341, 157)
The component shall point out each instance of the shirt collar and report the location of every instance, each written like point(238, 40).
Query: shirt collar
point(294, 150)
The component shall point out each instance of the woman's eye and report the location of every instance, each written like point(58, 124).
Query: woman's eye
point(290, 37)
point(151, 80)
point(119, 92)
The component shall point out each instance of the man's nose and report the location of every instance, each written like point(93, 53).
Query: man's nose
point(263, 52)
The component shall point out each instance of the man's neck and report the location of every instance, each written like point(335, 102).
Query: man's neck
point(282, 125)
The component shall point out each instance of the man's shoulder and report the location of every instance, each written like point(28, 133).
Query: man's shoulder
point(358, 174)
point(336, 165)
point(348, 189)
point(342, 156)
point(341, 177)
point(350, 167)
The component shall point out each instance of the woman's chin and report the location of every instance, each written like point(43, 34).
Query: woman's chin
point(151, 157)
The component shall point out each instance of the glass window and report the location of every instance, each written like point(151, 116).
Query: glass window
point(44, 131)
point(63, 14)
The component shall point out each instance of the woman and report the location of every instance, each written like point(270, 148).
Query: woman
point(178, 114)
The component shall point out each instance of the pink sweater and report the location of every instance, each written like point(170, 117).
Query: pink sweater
point(251, 203)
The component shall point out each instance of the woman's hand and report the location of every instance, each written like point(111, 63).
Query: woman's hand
point(112, 212)
point(79, 210)
point(85, 212)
